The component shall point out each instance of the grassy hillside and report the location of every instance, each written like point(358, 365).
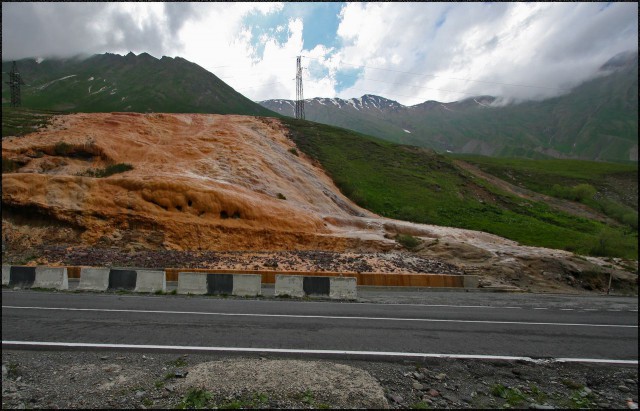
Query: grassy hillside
point(20, 121)
point(142, 83)
point(610, 188)
point(419, 185)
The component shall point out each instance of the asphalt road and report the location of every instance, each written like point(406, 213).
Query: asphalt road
point(457, 329)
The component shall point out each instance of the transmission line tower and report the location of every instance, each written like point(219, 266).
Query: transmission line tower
point(15, 80)
point(299, 97)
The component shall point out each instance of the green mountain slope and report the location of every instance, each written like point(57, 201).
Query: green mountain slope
point(109, 82)
point(598, 120)
point(420, 185)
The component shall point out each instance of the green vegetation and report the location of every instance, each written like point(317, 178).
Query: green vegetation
point(609, 188)
point(20, 121)
point(513, 396)
point(419, 185)
point(407, 241)
point(195, 398)
point(596, 120)
point(9, 165)
point(281, 196)
point(108, 171)
point(199, 398)
point(293, 151)
point(178, 362)
point(62, 149)
point(142, 83)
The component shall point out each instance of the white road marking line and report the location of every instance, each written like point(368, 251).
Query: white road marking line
point(302, 351)
point(332, 317)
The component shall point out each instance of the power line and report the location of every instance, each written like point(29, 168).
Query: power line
point(449, 78)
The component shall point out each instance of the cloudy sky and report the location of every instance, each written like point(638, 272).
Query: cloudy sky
point(408, 52)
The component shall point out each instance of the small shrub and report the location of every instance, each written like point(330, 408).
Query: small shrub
point(293, 151)
point(407, 241)
point(108, 171)
point(8, 165)
point(178, 362)
point(513, 396)
point(61, 148)
point(195, 398)
point(281, 196)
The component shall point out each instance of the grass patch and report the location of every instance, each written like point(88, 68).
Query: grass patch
point(178, 362)
point(421, 405)
point(293, 151)
point(62, 149)
point(9, 165)
point(512, 396)
point(12, 370)
point(409, 242)
point(195, 398)
point(18, 121)
point(419, 185)
point(108, 171)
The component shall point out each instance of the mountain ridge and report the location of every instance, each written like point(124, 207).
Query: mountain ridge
point(138, 83)
point(596, 120)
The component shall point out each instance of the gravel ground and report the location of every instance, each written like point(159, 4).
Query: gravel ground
point(389, 262)
point(124, 379)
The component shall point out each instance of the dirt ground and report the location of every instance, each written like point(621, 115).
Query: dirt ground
point(120, 379)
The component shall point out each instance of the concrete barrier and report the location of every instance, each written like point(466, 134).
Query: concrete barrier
point(6, 274)
point(471, 281)
point(149, 281)
point(291, 285)
point(212, 284)
point(122, 279)
point(192, 283)
point(22, 276)
point(51, 277)
point(343, 288)
point(94, 279)
point(300, 286)
point(247, 285)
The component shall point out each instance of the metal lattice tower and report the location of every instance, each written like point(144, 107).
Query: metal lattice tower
point(15, 80)
point(299, 97)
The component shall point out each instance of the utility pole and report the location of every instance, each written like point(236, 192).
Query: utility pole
point(15, 80)
point(299, 96)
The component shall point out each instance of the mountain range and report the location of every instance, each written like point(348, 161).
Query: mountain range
point(110, 82)
point(597, 120)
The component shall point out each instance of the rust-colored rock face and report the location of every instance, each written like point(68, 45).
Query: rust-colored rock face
point(216, 183)
point(198, 182)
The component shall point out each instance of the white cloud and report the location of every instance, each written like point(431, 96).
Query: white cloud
point(553, 45)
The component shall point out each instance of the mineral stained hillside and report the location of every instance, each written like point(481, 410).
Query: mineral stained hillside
point(210, 182)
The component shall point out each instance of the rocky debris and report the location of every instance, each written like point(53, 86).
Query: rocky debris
point(285, 260)
point(63, 379)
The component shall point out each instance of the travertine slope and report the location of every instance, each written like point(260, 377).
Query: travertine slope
point(198, 181)
point(220, 183)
